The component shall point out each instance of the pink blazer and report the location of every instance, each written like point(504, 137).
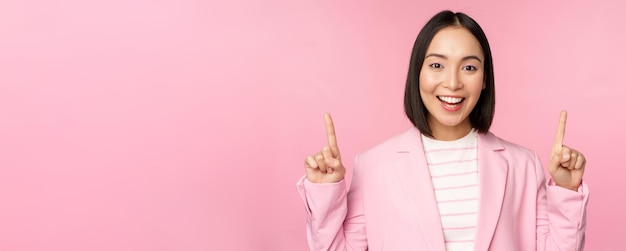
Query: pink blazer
point(391, 204)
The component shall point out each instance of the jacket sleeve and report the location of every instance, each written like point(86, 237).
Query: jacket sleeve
point(335, 219)
point(561, 214)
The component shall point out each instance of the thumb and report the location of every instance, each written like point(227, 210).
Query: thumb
point(554, 164)
point(335, 163)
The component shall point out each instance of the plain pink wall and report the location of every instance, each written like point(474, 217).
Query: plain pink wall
point(183, 125)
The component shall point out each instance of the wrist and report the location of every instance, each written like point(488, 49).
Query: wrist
point(551, 182)
point(575, 189)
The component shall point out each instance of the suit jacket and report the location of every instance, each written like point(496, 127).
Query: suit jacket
point(391, 203)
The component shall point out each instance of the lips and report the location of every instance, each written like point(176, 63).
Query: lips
point(451, 104)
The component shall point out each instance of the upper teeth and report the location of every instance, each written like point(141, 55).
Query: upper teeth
point(451, 100)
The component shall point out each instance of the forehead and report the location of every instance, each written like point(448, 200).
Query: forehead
point(455, 41)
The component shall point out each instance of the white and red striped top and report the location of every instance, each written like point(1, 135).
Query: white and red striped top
point(454, 171)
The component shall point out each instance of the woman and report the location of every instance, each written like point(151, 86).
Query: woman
point(447, 183)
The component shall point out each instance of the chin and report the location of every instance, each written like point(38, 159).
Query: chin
point(453, 122)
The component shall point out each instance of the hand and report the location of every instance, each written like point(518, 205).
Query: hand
point(325, 166)
point(566, 164)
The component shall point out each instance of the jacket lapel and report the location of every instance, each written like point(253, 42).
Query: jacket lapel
point(492, 176)
point(412, 170)
point(414, 175)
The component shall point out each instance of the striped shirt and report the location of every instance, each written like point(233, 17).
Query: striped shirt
point(453, 168)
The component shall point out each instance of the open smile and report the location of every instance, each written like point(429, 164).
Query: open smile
point(450, 100)
point(451, 103)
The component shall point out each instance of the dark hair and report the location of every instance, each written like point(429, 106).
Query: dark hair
point(482, 114)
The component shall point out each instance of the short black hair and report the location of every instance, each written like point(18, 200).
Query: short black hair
point(482, 114)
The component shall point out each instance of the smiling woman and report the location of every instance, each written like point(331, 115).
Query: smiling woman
point(451, 78)
point(462, 38)
point(447, 183)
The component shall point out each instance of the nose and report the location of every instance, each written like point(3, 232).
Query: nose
point(453, 82)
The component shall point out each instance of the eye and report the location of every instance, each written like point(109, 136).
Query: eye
point(469, 68)
point(436, 65)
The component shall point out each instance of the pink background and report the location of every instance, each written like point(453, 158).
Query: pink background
point(183, 125)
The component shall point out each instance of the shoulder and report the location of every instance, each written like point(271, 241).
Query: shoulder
point(388, 148)
point(509, 149)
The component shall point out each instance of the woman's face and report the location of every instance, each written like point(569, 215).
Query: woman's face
point(451, 80)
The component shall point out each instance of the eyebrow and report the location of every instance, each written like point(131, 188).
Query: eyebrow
point(463, 59)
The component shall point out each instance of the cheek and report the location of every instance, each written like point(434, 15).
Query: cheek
point(428, 82)
point(474, 82)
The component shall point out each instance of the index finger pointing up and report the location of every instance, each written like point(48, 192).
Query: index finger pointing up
point(330, 134)
point(560, 132)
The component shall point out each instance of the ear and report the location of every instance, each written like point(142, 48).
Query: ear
point(484, 85)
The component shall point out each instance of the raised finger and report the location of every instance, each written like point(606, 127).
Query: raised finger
point(560, 132)
point(328, 156)
point(330, 135)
